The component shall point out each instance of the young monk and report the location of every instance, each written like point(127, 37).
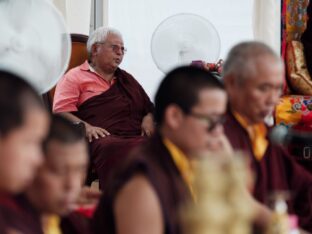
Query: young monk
point(23, 125)
point(51, 198)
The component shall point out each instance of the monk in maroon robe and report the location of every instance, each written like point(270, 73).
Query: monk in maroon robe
point(58, 183)
point(16, 219)
point(145, 194)
point(113, 106)
point(253, 77)
point(23, 124)
point(126, 104)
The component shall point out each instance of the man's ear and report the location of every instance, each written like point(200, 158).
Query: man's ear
point(94, 49)
point(173, 116)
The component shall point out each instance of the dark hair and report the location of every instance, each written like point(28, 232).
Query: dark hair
point(181, 87)
point(16, 96)
point(64, 131)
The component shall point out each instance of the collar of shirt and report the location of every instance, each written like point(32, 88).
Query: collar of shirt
point(257, 134)
point(52, 225)
point(182, 163)
point(86, 66)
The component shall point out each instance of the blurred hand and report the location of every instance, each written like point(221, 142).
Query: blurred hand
point(226, 146)
point(95, 132)
point(218, 147)
point(89, 196)
point(147, 125)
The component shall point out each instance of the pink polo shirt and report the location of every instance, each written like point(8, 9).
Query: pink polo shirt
point(76, 86)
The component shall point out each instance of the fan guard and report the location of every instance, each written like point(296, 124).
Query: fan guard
point(183, 38)
point(34, 41)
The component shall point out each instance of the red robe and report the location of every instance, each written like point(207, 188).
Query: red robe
point(74, 223)
point(154, 161)
point(14, 217)
point(275, 171)
point(120, 111)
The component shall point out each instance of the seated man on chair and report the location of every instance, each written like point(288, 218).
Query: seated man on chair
point(113, 106)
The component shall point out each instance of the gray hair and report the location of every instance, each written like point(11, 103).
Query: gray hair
point(100, 35)
point(242, 59)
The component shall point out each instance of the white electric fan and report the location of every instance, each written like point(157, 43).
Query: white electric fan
point(34, 42)
point(183, 38)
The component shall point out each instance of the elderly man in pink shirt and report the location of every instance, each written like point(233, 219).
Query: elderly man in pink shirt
point(113, 106)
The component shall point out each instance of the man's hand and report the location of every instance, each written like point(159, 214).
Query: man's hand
point(95, 132)
point(92, 132)
point(147, 125)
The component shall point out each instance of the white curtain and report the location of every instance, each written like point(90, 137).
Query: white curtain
point(137, 22)
point(76, 13)
point(267, 22)
point(61, 6)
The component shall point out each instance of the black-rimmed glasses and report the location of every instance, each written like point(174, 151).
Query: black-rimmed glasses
point(211, 122)
point(113, 47)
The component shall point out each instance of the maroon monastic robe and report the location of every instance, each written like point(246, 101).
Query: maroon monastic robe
point(275, 171)
point(120, 111)
point(15, 218)
point(155, 162)
point(74, 223)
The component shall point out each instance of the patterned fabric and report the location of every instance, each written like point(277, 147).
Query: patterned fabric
point(296, 18)
point(293, 109)
point(297, 72)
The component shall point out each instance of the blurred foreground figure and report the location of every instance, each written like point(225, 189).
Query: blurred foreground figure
point(146, 193)
point(253, 75)
point(23, 125)
point(58, 183)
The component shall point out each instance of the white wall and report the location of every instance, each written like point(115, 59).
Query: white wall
point(137, 19)
point(78, 16)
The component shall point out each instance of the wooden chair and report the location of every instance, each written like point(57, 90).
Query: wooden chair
point(78, 55)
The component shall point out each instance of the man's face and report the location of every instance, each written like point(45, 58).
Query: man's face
point(58, 182)
point(20, 151)
point(197, 131)
point(257, 96)
point(109, 54)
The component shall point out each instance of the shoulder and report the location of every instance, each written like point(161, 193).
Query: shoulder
point(74, 72)
point(122, 72)
point(138, 188)
point(149, 153)
point(137, 207)
point(125, 76)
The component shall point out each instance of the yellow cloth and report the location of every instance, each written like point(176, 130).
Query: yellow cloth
point(182, 163)
point(257, 134)
point(52, 225)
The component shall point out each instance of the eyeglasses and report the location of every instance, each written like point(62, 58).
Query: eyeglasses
point(211, 122)
point(115, 48)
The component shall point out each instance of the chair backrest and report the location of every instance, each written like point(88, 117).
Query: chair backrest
point(78, 55)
